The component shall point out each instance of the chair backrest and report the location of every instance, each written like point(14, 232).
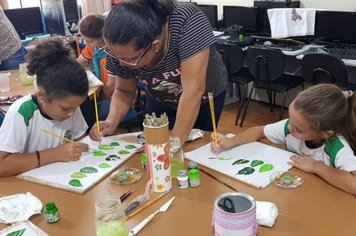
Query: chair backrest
point(324, 68)
point(264, 63)
point(232, 57)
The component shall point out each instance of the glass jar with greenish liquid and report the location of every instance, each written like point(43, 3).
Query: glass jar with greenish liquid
point(110, 217)
point(25, 78)
point(176, 155)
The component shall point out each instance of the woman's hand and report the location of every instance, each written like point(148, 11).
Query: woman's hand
point(106, 128)
point(71, 151)
point(221, 144)
point(305, 163)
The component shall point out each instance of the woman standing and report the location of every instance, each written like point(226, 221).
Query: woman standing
point(170, 49)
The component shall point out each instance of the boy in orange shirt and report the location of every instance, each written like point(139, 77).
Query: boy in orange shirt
point(91, 27)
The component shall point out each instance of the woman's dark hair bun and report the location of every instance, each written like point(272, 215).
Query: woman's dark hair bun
point(162, 8)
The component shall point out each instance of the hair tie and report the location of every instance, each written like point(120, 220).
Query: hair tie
point(347, 94)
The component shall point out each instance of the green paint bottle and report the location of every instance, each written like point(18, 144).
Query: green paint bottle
point(194, 178)
point(144, 160)
point(51, 213)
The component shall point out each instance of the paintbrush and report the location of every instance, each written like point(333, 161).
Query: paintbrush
point(63, 138)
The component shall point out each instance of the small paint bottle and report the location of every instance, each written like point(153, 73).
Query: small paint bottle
point(144, 160)
point(194, 178)
point(51, 213)
point(192, 165)
point(182, 179)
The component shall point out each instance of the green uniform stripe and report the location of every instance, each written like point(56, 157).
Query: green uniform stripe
point(332, 147)
point(27, 109)
point(286, 127)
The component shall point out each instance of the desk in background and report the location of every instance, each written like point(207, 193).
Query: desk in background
point(16, 87)
point(314, 208)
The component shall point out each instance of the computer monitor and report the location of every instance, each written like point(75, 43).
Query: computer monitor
point(27, 21)
point(243, 16)
point(335, 26)
point(211, 11)
point(71, 11)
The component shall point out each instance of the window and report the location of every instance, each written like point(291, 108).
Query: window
point(24, 3)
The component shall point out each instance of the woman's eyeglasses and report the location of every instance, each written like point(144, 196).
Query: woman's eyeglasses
point(129, 63)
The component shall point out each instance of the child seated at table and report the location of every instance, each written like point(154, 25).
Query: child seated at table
point(321, 130)
point(62, 85)
point(91, 28)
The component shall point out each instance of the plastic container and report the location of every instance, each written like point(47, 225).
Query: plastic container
point(110, 217)
point(51, 213)
point(182, 179)
point(194, 178)
point(176, 155)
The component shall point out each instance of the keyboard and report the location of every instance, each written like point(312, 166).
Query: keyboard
point(344, 52)
point(283, 47)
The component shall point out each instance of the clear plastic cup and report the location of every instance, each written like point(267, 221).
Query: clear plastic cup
point(4, 82)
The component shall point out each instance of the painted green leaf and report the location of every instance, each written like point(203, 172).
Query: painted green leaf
point(99, 153)
point(88, 170)
point(106, 147)
point(17, 232)
point(78, 175)
point(240, 161)
point(130, 146)
point(224, 158)
point(265, 168)
point(75, 183)
point(114, 144)
point(246, 171)
point(123, 152)
point(113, 158)
point(256, 163)
point(104, 165)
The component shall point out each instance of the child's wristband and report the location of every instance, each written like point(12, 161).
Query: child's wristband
point(38, 158)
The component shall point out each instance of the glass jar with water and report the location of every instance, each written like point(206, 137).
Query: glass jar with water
point(110, 217)
point(176, 155)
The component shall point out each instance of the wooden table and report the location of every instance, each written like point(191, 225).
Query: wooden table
point(314, 208)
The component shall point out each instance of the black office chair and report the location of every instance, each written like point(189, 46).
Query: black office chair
point(324, 68)
point(267, 65)
point(233, 60)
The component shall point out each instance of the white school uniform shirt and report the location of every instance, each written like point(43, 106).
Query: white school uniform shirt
point(21, 129)
point(336, 152)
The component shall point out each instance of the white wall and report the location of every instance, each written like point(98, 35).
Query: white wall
point(338, 5)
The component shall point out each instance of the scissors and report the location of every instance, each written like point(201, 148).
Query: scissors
point(227, 205)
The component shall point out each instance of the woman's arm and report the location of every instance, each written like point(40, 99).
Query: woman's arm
point(193, 79)
point(121, 101)
point(109, 87)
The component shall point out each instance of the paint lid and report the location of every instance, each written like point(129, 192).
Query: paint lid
point(286, 179)
point(126, 176)
point(192, 165)
point(182, 173)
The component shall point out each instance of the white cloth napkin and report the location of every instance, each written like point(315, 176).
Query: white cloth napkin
point(19, 207)
point(288, 22)
point(195, 134)
point(266, 213)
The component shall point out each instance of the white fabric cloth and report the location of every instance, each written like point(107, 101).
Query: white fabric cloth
point(21, 129)
point(266, 213)
point(344, 160)
point(288, 22)
point(19, 207)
